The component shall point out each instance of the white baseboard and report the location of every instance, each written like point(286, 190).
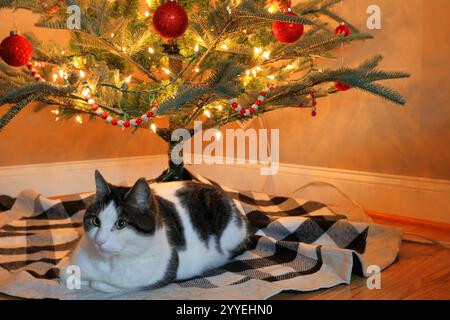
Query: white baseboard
point(54, 179)
point(415, 197)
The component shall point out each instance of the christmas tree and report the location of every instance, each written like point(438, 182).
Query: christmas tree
point(130, 61)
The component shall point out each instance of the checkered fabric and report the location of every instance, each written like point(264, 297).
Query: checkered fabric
point(295, 245)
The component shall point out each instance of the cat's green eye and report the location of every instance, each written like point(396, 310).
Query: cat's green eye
point(120, 224)
point(95, 221)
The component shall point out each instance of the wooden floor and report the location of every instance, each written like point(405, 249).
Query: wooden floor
point(421, 272)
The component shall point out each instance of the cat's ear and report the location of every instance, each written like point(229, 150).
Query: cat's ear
point(139, 196)
point(102, 187)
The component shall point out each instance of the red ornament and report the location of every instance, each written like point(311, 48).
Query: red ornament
point(286, 32)
point(343, 29)
point(16, 50)
point(341, 86)
point(170, 20)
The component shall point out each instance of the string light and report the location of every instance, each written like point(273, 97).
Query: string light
point(79, 120)
point(86, 92)
point(147, 14)
point(128, 79)
point(112, 35)
point(218, 135)
point(224, 47)
point(61, 74)
point(151, 50)
point(55, 111)
point(197, 70)
point(196, 48)
point(167, 71)
point(207, 113)
point(55, 77)
point(257, 50)
point(266, 55)
point(82, 74)
point(153, 127)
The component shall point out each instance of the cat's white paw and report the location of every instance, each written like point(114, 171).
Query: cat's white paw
point(104, 287)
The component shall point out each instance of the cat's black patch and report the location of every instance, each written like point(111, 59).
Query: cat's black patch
point(171, 220)
point(143, 220)
point(209, 208)
point(171, 272)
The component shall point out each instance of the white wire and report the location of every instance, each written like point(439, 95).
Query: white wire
point(429, 240)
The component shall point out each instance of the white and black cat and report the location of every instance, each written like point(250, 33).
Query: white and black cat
point(148, 236)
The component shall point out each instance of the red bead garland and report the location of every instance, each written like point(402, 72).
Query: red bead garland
point(89, 98)
point(248, 111)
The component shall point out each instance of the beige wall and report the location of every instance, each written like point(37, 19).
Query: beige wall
point(353, 130)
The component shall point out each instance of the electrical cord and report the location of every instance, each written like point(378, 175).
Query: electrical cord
point(426, 240)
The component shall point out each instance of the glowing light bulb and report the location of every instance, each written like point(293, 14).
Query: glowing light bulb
point(147, 14)
point(153, 127)
point(289, 67)
point(196, 48)
point(197, 70)
point(78, 119)
point(112, 35)
point(271, 77)
point(82, 74)
point(55, 77)
point(85, 92)
point(219, 107)
point(55, 112)
point(167, 71)
point(224, 47)
point(218, 135)
point(61, 73)
point(151, 50)
point(257, 50)
point(207, 113)
point(128, 79)
point(266, 55)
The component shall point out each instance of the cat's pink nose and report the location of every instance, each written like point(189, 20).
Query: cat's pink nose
point(100, 242)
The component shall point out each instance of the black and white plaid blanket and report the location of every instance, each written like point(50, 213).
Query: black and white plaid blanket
point(295, 245)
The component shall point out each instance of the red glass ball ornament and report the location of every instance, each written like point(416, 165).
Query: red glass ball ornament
point(114, 122)
point(16, 50)
point(343, 29)
point(138, 120)
point(341, 86)
point(170, 20)
point(104, 115)
point(314, 113)
point(234, 105)
point(286, 32)
point(126, 124)
point(150, 114)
